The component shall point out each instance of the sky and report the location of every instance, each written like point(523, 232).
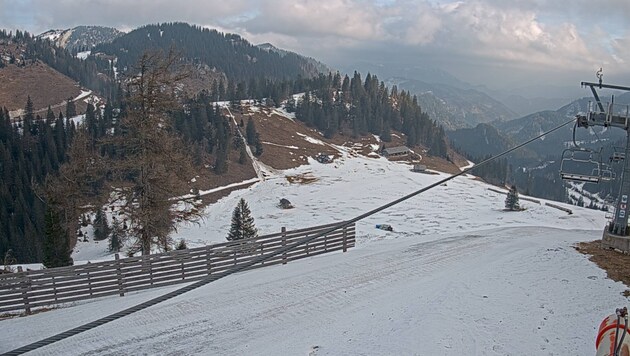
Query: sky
point(498, 43)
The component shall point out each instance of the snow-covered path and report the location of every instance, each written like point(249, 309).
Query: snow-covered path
point(517, 291)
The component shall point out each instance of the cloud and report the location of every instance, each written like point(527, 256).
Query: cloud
point(312, 18)
point(46, 14)
point(475, 39)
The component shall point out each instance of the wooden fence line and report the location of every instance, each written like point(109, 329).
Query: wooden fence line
point(26, 290)
point(567, 210)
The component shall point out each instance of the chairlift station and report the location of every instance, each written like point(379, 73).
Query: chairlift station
point(606, 115)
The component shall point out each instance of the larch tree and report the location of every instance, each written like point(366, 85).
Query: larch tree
point(242, 223)
point(154, 168)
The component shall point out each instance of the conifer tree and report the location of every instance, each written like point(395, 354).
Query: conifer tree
point(101, 227)
point(242, 223)
point(258, 146)
point(511, 201)
point(71, 109)
point(29, 116)
point(57, 251)
point(116, 236)
point(242, 157)
point(181, 245)
point(250, 132)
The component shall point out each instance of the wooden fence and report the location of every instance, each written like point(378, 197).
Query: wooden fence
point(520, 196)
point(26, 290)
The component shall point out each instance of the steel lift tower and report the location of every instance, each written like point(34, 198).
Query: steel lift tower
point(610, 115)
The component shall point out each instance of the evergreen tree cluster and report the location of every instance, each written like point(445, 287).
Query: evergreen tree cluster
point(362, 107)
point(202, 125)
point(494, 172)
point(29, 151)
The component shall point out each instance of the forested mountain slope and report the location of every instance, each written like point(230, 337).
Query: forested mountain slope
point(223, 52)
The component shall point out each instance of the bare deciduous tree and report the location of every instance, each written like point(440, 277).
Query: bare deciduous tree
point(152, 167)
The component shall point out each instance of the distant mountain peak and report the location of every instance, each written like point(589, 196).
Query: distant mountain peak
point(81, 37)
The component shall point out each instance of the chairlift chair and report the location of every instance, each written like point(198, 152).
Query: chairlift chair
point(617, 156)
point(605, 172)
point(582, 165)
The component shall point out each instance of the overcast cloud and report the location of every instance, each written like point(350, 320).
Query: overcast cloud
point(493, 42)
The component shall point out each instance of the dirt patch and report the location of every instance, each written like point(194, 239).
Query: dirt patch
point(305, 178)
point(616, 264)
point(286, 142)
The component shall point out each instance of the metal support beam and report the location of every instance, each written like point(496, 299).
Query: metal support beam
point(607, 86)
point(619, 225)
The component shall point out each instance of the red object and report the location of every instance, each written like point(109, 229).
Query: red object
point(605, 341)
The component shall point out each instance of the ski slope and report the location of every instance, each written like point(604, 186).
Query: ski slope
point(458, 276)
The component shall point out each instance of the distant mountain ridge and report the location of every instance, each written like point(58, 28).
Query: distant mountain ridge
point(455, 107)
point(321, 67)
point(81, 37)
point(228, 53)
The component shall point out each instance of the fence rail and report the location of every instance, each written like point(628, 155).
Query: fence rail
point(27, 290)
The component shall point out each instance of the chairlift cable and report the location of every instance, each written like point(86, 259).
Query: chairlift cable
point(104, 320)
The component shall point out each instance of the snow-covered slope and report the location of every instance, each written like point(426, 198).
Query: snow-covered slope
point(81, 37)
point(458, 276)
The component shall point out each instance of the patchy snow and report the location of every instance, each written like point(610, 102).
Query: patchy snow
point(79, 119)
point(457, 276)
point(311, 139)
point(284, 113)
point(84, 94)
point(469, 165)
point(275, 144)
point(84, 54)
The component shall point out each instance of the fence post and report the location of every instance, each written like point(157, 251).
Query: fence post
point(208, 259)
point(345, 238)
point(119, 275)
point(284, 243)
point(147, 263)
point(89, 279)
point(26, 288)
point(181, 261)
point(54, 288)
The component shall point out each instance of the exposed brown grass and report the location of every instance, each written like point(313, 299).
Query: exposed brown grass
point(616, 264)
point(45, 86)
point(285, 145)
